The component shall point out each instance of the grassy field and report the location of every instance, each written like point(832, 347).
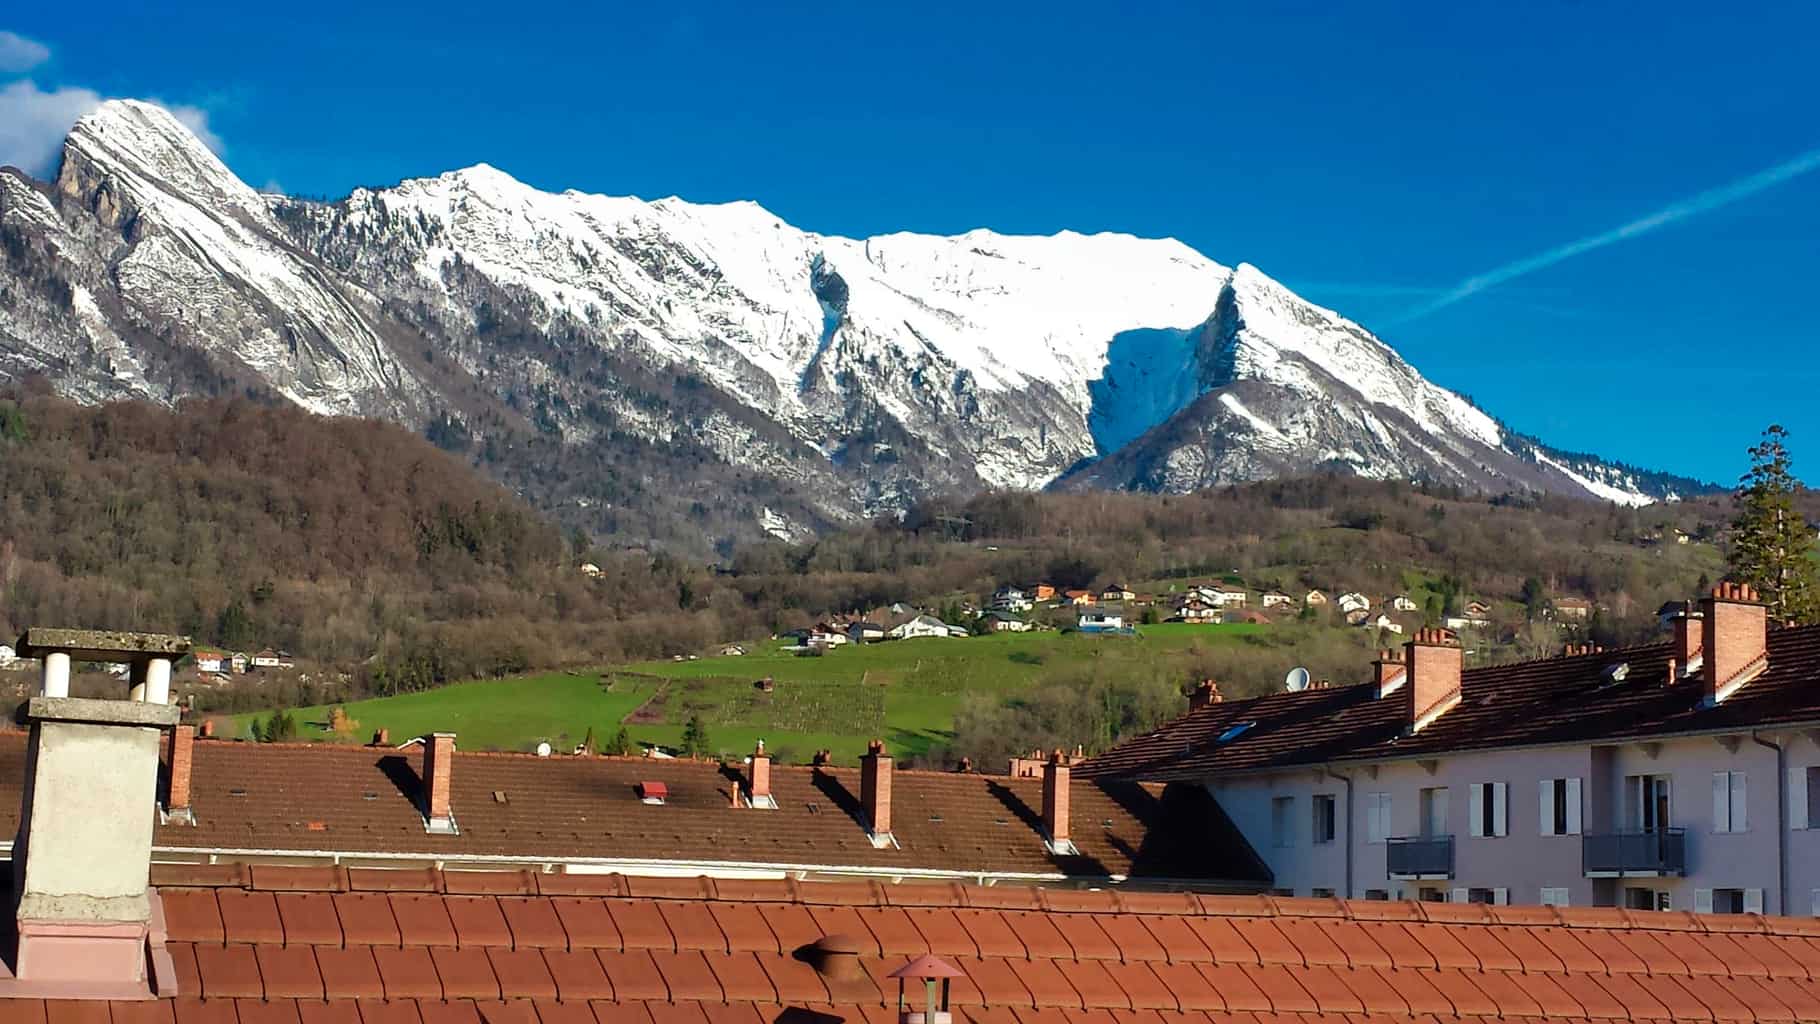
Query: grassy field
point(906, 693)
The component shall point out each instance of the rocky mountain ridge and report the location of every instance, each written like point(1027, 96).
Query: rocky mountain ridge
point(630, 363)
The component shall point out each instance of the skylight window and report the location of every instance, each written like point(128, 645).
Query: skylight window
point(1234, 732)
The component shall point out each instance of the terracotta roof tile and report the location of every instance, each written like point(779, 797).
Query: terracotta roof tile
point(1677, 994)
point(183, 961)
point(998, 984)
point(381, 1011)
point(1527, 946)
point(1615, 955)
point(250, 916)
point(586, 922)
point(533, 923)
point(466, 972)
point(1593, 998)
point(228, 971)
point(677, 1013)
point(1374, 990)
point(634, 975)
point(1280, 987)
point(1445, 947)
point(187, 1010)
point(1189, 986)
point(1555, 1001)
point(309, 918)
point(1045, 981)
point(289, 972)
point(1084, 935)
point(991, 933)
point(366, 919)
point(845, 921)
point(1179, 942)
point(522, 973)
point(191, 915)
point(792, 925)
point(550, 1011)
point(1222, 940)
point(795, 981)
point(258, 1011)
point(1508, 991)
point(1329, 992)
point(349, 973)
point(333, 1011)
point(943, 932)
point(1776, 956)
point(1142, 986)
point(408, 973)
point(152, 1011)
point(1762, 999)
point(741, 978)
point(687, 975)
point(1721, 997)
point(1632, 991)
point(577, 974)
point(478, 921)
point(1040, 936)
point(1134, 941)
point(422, 920)
point(744, 927)
point(1096, 986)
point(1311, 937)
point(1398, 942)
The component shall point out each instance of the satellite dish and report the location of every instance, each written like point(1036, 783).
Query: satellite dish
point(1296, 681)
point(543, 750)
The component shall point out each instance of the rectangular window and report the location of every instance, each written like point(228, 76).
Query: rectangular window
point(1488, 810)
point(1648, 899)
point(1282, 892)
point(1728, 802)
point(1556, 896)
point(1804, 797)
point(1377, 817)
point(1282, 822)
point(1324, 818)
point(1728, 901)
point(1434, 812)
point(1430, 894)
point(1319, 893)
point(1382, 895)
point(1559, 804)
point(1494, 897)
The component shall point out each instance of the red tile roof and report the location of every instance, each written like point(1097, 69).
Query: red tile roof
point(301, 798)
point(704, 957)
point(1535, 703)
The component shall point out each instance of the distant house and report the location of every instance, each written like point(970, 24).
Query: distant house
point(1042, 592)
point(8, 655)
point(211, 661)
point(1100, 622)
point(1466, 622)
point(1117, 592)
point(1403, 603)
point(1681, 536)
point(269, 658)
point(864, 631)
point(1005, 622)
point(1223, 595)
point(590, 570)
point(1357, 617)
point(1384, 622)
point(1573, 607)
point(1314, 599)
point(239, 662)
point(1477, 609)
point(1078, 598)
point(1010, 599)
point(1353, 601)
point(825, 634)
point(1277, 599)
point(732, 651)
point(918, 626)
point(1195, 608)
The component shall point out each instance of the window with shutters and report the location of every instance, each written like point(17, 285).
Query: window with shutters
point(1320, 893)
point(1806, 797)
point(1324, 817)
point(1728, 901)
point(1434, 812)
point(1377, 817)
point(1494, 897)
point(1554, 896)
point(1381, 895)
point(1728, 802)
point(1648, 899)
point(1559, 803)
point(1488, 810)
point(1647, 805)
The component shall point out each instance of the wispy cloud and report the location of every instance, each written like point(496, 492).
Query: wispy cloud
point(1693, 206)
point(19, 54)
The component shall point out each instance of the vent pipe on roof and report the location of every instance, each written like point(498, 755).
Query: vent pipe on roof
point(179, 756)
point(1434, 665)
point(438, 773)
point(1736, 638)
point(875, 794)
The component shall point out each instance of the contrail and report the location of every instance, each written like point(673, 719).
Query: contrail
point(1711, 199)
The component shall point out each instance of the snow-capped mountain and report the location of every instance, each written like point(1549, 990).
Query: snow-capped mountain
point(614, 357)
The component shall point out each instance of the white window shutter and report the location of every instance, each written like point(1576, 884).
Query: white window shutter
point(1501, 896)
point(1500, 808)
point(1545, 799)
point(1740, 820)
point(1573, 807)
point(1813, 899)
point(1460, 896)
point(1797, 797)
point(1753, 901)
point(1722, 795)
point(1475, 810)
point(1703, 901)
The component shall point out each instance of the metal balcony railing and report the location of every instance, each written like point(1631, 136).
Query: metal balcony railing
point(1637, 854)
point(1419, 857)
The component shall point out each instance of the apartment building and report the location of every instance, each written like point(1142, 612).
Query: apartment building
point(1682, 775)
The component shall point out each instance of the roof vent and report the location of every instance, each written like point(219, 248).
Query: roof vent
point(653, 792)
point(1615, 673)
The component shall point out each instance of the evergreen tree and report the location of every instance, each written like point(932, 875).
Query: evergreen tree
point(1772, 549)
point(622, 744)
point(695, 737)
point(587, 743)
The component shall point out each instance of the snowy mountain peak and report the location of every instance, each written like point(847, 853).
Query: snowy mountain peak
point(650, 342)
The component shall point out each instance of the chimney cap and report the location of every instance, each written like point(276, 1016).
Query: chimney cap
point(926, 967)
point(876, 748)
point(106, 645)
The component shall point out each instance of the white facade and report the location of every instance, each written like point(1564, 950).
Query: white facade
point(1354, 602)
point(1099, 621)
point(1277, 599)
point(921, 626)
point(1532, 825)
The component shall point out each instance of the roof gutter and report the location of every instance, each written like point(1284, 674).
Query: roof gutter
point(1781, 820)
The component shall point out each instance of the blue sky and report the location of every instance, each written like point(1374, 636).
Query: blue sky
point(1374, 157)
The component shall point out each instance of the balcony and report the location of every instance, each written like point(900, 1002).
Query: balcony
point(1651, 854)
point(1419, 857)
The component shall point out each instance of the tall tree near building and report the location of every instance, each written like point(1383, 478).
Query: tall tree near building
point(1772, 547)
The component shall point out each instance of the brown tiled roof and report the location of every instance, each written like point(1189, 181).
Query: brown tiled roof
point(366, 800)
point(260, 944)
point(1534, 703)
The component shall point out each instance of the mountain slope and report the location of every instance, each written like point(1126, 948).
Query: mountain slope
point(629, 363)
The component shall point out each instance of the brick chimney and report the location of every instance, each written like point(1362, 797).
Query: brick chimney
point(1206, 694)
point(1690, 641)
point(1388, 671)
point(438, 772)
point(761, 779)
point(1735, 637)
point(875, 793)
point(208, 728)
point(1433, 658)
point(1056, 775)
point(179, 756)
point(382, 738)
